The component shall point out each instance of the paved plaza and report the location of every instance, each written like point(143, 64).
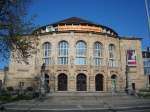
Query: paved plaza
point(81, 104)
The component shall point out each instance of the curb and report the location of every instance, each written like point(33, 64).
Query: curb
point(80, 109)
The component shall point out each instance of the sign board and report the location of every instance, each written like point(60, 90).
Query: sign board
point(131, 57)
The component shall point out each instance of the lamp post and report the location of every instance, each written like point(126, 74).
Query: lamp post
point(147, 14)
point(126, 73)
point(127, 87)
point(42, 80)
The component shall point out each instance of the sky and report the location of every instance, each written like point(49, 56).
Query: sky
point(126, 17)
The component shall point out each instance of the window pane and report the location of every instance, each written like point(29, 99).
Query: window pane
point(47, 61)
point(98, 61)
point(62, 60)
point(63, 53)
point(80, 49)
point(111, 51)
point(80, 53)
point(47, 53)
point(97, 49)
point(80, 61)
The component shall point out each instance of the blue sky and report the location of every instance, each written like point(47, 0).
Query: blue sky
point(126, 17)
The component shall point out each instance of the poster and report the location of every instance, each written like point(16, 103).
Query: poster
point(131, 57)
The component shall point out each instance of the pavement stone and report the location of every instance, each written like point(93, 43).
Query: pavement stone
point(87, 103)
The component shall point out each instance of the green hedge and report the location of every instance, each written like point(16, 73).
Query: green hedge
point(10, 98)
point(144, 93)
point(144, 90)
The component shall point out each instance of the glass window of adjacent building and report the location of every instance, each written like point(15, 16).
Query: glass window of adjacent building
point(63, 53)
point(112, 61)
point(47, 53)
point(81, 53)
point(98, 53)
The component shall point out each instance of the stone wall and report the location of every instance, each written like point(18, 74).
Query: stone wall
point(28, 73)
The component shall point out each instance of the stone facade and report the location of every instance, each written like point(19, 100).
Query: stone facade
point(26, 73)
point(111, 78)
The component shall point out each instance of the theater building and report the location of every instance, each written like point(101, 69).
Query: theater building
point(81, 56)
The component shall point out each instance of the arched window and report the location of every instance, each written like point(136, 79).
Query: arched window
point(98, 53)
point(63, 53)
point(81, 53)
point(47, 53)
point(112, 52)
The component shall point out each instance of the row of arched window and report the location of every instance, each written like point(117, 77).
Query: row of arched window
point(81, 53)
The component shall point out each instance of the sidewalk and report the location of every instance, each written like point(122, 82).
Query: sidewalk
point(81, 103)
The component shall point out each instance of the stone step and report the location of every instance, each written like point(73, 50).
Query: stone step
point(86, 94)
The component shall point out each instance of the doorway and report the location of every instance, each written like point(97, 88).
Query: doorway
point(81, 82)
point(99, 82)
point(62, 82)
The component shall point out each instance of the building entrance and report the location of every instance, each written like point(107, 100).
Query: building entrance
point(99, 82)
point(114, 83)
point(81, 82)
point(62, 82)
point(47, 83)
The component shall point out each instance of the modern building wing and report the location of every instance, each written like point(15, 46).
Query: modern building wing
point(146, 60)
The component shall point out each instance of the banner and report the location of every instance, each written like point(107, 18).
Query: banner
point(131, 57)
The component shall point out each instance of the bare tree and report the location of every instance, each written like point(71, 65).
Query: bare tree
point(15, 28)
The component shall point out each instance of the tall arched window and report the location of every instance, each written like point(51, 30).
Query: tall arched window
point(98, 53)
point(112, 57)
point(63, 53)
point(47, 53)
point(81, 53)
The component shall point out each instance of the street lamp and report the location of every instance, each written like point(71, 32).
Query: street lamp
point(126, 88)
point(126, 73)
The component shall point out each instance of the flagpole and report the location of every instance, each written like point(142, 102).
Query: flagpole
point(148, 17)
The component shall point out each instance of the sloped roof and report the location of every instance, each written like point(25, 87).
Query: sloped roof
point(75, 20)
